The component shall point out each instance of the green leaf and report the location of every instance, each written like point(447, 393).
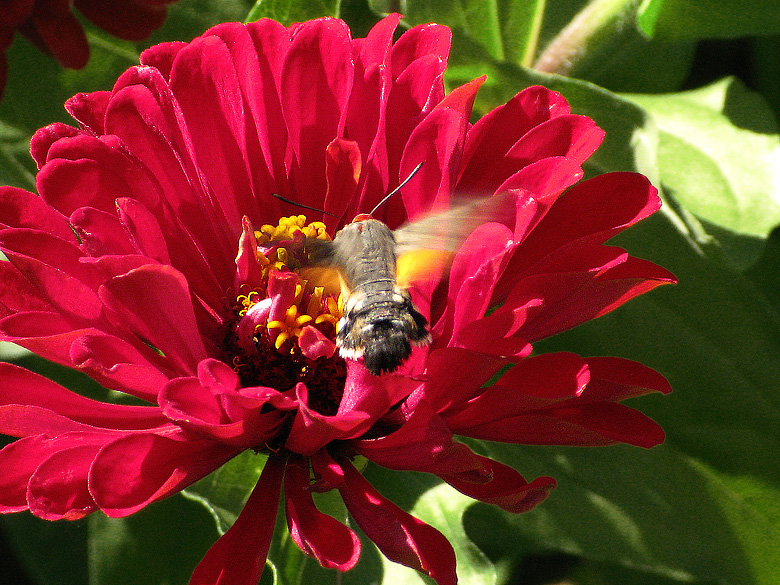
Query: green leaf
point(702, 19)
point(189, 19)
point(659, 511)
point(608, 50)
point(160, 545)
point(719, 156)
point(290, 11)
point(717, 340)
point(52, 553)
point(225, 491)
point(16, 166)
point(505, 30)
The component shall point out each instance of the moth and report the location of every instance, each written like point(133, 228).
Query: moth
point(380, 323)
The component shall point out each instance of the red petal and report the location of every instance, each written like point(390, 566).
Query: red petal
point(592, 211)
point(614, 378)
point(115, 364)
point(161, 56)
point(423, 443)
point(311, 431)
point(420, 42)
point(102, 233)
point(135, 470)
point(573, 298)
point(52, 267)
point(145, 115)
point(492, 137)
point(89, 109)
point(213, 406)
point(154, 302)
point(238, 557)
point(57, 31)
point(318, 535)
point(475, 271)
point(21, 387)
point(22, 458)
point(314, 344)
point(143, 230)
point(586, 425)
point(343, 168)
point(87, 171)
point(19, 461)
point(414, 92)
point(506, 489)
point(42, 140)
point(437, 141)
point(267, 46)
point(207, 86)
point(17, 294)
point(46, 334)
point(315, 86)
point(58, 488)
point(22, 209)
point(532, 385)
point(373, 395)
point(402, 538)
point(455, 376)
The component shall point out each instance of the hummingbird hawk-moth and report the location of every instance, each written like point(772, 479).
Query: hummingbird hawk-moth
point(380, 323)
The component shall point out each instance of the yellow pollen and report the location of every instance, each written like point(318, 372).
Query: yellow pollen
point(288, 227)
point(312, 305)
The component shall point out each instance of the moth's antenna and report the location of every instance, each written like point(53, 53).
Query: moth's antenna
point(309, 207)
point(397, 189)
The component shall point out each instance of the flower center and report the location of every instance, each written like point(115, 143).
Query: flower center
point(285, 320)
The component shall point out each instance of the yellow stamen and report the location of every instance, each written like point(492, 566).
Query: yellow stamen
point(311, 305)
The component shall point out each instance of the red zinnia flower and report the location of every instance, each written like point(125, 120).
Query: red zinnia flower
point(140, 266)
point(51, 25)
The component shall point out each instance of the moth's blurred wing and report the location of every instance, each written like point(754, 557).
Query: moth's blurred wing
point(323, 269)
point(424, 264)
point(447, 230)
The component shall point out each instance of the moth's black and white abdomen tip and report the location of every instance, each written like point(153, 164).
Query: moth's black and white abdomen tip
point(382, 333)
point(387, 347)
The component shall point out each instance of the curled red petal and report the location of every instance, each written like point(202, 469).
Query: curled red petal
point(135, 470)
point(58, 488)
point(312, 430)
point(116, 364)
point(22, 387)
point(21, 459)
point(318, 535)
point(238, 557)
point(22, 209)
point(614, 378)
point(401, 537)
point(155, 303)
point(506, 488)
point(423, 443)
